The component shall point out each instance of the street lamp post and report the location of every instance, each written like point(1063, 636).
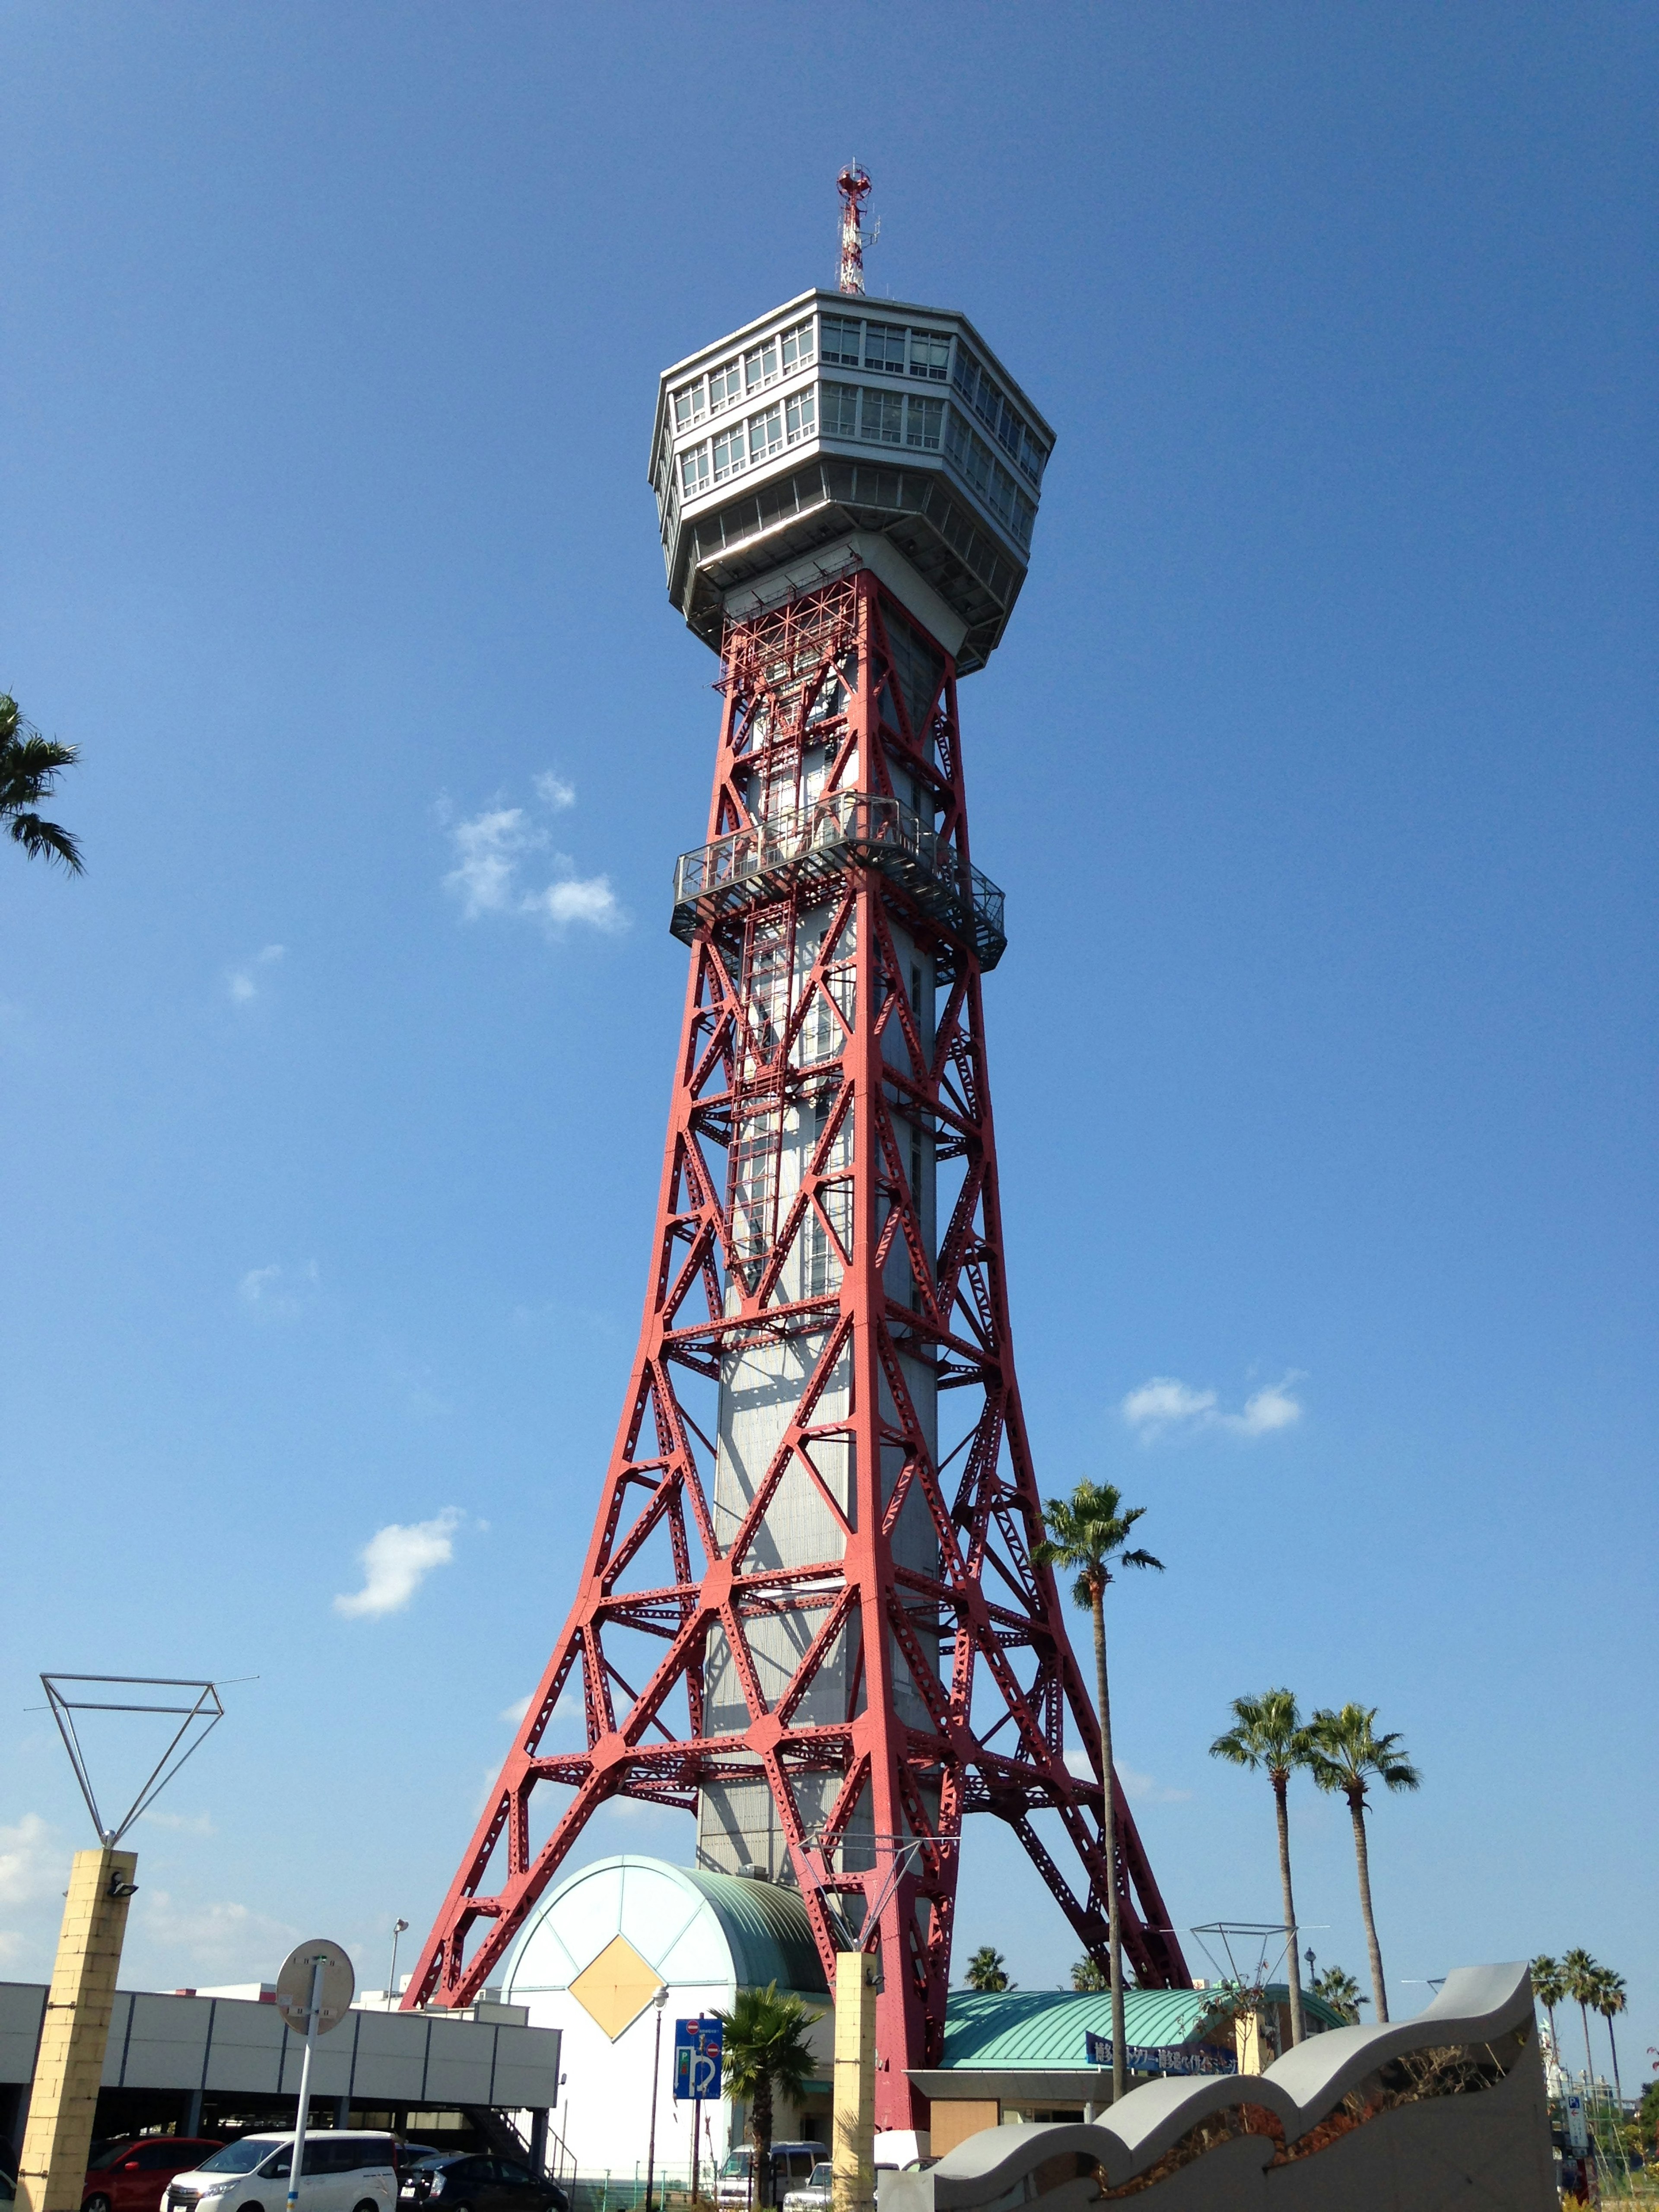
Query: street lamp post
point(398, 1928)
point(659, 2001)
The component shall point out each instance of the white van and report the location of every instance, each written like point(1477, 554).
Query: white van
point(342, 2172)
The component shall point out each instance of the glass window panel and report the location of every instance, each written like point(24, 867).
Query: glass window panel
point(930, 354)
point(725, 384)
point(884, 346)
point(840, 340)
point(840, 410)
point(798, 347)
point(760, 365)
point(924, 421)
point(800, 416)
point(882, 417)
point(728, 452)
point(693, 471)
point(766, 434)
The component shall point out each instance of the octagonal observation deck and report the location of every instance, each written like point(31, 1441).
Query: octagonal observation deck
point(840, 430)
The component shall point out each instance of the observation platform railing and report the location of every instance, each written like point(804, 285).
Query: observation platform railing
point(811, 845)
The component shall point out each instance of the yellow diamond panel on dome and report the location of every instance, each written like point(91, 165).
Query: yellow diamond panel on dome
point(616, 1988)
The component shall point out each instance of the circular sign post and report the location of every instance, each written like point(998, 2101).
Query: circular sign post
point(315, 1985)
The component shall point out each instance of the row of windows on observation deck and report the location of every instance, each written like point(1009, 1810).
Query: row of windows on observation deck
point(855, 342)
point(875, 416)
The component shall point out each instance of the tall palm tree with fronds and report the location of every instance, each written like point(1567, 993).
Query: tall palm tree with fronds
point(1087, 1535)
point(1549, 1986)
point(29, 767)
point(1267, 1732)
point(986, 1971)
point(1610, 2001)
point(765, 2053)
point(1578, 1972)
point(1347, 1754)
point(1089, 1975)
point(1340, 1990)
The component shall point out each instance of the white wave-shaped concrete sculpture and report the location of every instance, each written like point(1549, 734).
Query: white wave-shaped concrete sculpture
point(1446, 2110)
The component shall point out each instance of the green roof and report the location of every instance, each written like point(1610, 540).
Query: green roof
point(1044, 2029)
point(767, 1929)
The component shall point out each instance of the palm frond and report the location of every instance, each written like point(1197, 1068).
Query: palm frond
point(43, 839)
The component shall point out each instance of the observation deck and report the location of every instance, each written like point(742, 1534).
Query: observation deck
point(811, 845)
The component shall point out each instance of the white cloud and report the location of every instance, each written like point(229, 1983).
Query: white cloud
point(1163, 1405)
point(183, 1823)
point(490, 851)
point(395, 1561)
point(31, 1864)
point(516, 1712)
point(1163, 1402)
point(243, 983)
point(1141, 1787)
point(278, 1292)
point(230, 1941)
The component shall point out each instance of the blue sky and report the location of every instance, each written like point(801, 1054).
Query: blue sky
point(1317, 766)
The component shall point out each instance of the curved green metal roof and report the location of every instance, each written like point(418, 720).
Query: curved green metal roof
point(767, 1928)
point(1044, 2029)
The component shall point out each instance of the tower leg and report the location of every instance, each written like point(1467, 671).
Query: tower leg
point(70, 2066)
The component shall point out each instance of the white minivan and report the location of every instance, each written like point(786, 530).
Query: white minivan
point(342, 2172)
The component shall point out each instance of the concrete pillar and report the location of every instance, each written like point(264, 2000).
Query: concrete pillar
point(192, 2125)
point(1247, 2039)
point(342, 2111)
point(75, 2034)
point(538, 2141)
point(853, 2125)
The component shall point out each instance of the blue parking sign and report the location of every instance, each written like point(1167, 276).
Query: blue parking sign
point(699, 2047)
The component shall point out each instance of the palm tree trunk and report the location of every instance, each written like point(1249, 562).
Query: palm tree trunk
point(762, 2125)
point(1281, 1794)
point(1589, 2064)
point(1618, 2085)
point(1109, 1837)
point(1362, 1861)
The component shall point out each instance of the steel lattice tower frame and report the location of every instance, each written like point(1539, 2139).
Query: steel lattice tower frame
point(832, 1062)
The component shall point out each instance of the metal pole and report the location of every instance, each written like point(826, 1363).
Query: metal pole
point(397, 1928)
point(298, 2163)
point(659, 2001)
point(697, 2130)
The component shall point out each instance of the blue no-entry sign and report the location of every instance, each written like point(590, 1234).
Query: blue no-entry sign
point(699, 2046)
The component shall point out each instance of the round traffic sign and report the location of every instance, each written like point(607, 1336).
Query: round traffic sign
point(293, 1982)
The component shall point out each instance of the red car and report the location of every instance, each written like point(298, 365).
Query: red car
point(133, 2176)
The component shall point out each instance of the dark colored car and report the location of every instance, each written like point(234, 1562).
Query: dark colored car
point(478, 2181)
point(132, 2176)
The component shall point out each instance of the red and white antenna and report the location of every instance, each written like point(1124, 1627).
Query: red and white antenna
point(853, 184)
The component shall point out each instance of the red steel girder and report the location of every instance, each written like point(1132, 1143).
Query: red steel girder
point(978, 1637)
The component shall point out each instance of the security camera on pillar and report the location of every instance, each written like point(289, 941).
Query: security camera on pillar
point(809, 1615)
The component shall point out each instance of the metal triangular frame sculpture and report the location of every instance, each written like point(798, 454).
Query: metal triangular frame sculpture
point(952, 1681)
point(205, 1707)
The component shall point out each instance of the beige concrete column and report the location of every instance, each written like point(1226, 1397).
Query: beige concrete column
point(75, 2033)
point(854, 2151)
point(1247, 2039)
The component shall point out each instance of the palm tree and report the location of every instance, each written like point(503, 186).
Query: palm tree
point(1609, 2001)
point(1089, 1974)
point(1549, 1986)
point(1267, 1732)
point(1340, 1990)
point(29, 767)
point(766, 2051)
point(1346, 1754)
point(1086, 1536)
point(1578, 1972)
point(986, 1971)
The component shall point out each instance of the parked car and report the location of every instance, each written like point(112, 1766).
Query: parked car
point(132, 2175)
point(812, 2195)
point(343, 2170)
point(478, 2181)
point(791, 2166)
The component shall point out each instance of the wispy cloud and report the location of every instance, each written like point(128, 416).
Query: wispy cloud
point(1141, 1787)
point(492, 851)
point(183, 1824)
point(1164, 1405)
point(232, 1941)
point(243, 983)
point(31, 1861)
point(278, 1294)
point(397, 1559)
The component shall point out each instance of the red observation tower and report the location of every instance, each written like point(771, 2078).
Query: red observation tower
point(808, 1616)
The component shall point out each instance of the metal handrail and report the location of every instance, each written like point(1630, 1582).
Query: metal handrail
point(858, 825)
